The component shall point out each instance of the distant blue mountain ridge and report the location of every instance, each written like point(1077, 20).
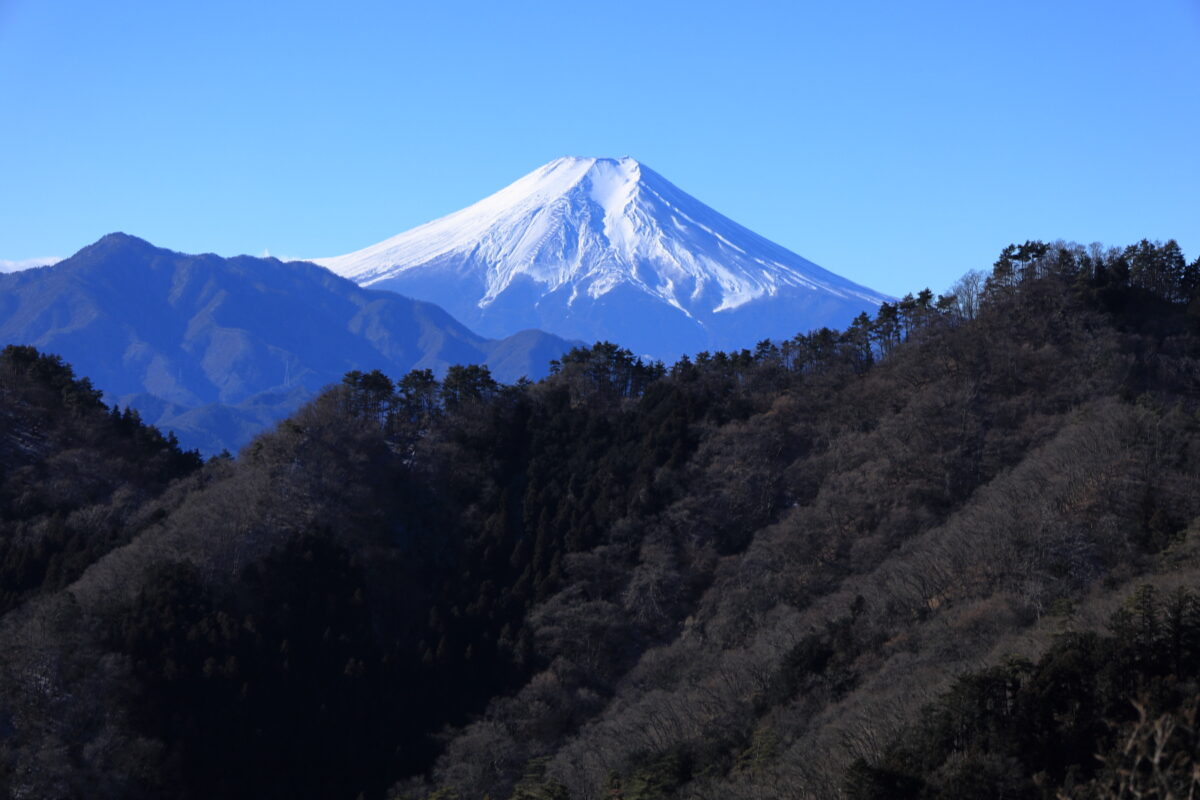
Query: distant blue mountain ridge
point(217, 349)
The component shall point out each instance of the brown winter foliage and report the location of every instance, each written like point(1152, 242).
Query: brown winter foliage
point(940, 554)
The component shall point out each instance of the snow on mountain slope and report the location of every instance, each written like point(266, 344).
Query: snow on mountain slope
point(595, 248)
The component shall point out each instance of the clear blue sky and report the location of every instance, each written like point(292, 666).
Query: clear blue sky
point(899, 144)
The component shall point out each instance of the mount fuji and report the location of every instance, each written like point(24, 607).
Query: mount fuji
point(599, 248)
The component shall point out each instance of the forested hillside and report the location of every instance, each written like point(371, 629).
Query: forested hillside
point(74, 474)
point(949, 552)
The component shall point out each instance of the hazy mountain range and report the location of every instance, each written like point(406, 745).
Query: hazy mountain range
point(217, 349)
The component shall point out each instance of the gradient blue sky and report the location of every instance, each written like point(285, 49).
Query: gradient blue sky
point(899, 144)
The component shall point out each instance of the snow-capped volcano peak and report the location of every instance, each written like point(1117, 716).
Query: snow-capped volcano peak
point(502, 219)
point(575, 232)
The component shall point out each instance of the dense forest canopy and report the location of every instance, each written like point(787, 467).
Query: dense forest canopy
point(948, 552)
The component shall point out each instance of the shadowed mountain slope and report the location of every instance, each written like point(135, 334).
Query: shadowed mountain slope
point(936, 556)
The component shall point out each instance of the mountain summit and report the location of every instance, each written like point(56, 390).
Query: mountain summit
point(601, 248)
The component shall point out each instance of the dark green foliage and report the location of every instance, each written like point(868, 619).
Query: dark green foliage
point(865, 781)
point(465, 386)
point(257, 691)
point(370, 395)
point(606, 372)
point(822, 657)
point(534, 785)
point(655, 777)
